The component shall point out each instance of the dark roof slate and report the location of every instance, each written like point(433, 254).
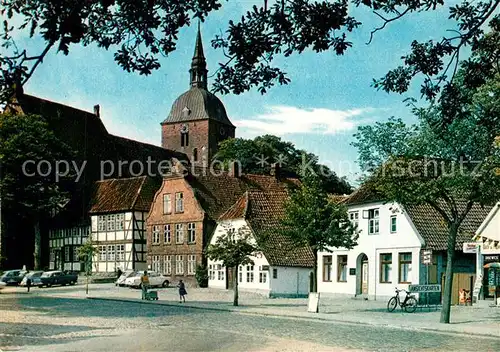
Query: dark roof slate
point(433, 229)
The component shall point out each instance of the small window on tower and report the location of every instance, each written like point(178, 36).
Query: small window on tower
point(195, 154)
point(186, 112)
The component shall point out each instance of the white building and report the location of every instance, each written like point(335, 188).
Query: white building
point(488, 251)
point(279, 270)
point(389, 250)
point(118, 216)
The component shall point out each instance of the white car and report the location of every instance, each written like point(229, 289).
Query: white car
point(155, 280)
point(121, 280)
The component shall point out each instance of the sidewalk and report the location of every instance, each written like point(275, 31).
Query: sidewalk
point(479, 320)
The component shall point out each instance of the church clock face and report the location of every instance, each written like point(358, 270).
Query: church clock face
point(184, 128)
point(222, 131)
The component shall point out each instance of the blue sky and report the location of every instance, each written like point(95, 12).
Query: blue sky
point(319, 111)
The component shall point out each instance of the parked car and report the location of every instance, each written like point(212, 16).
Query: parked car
point(34, 276)
point(13, 277)
point(56, 277)
point(121, 280)
point(155, 280)
point(2, 284)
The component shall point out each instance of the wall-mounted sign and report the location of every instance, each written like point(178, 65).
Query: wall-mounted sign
point(427, 257)
point(424, 288)
point(470, 247)
point(352, 271)
point(491, 258)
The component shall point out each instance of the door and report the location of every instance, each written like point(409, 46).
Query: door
point(364, 278)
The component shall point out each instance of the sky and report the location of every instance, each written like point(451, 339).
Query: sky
point(319, 111)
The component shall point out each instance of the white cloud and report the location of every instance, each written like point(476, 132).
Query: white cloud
point(281, 120)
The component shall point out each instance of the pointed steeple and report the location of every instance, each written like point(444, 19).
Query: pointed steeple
point(198, 71)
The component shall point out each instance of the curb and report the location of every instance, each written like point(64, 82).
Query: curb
point(285, 316)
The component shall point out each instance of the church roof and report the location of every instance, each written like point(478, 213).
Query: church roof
point(197, 104)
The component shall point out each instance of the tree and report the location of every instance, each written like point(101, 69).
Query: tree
point(202, 275)
point(257, 155)
point(140, 31)
point(28, 190)
point(313, 220)
point(233, 249)
point(451, 164)
point(85, 254)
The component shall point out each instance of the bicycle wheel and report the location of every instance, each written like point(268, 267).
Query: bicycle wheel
point(411, 305)
point(392, 304)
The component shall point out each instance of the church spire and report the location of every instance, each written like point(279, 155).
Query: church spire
point(198, 71)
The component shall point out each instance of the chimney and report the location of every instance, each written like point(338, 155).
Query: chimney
point(275, 170)
point(97, 111)
point(235, 169)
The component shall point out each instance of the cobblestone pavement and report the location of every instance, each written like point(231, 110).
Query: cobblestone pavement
point(476, 320)
point(40, 322)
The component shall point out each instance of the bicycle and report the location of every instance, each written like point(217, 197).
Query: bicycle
point(409, 304)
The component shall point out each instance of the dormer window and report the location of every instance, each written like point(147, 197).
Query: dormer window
point(186, 112)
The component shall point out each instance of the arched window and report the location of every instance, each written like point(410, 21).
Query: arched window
point(184, 139)
point(195, 154)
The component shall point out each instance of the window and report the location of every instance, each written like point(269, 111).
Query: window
point(66, 253)
point(167, 264)
point(220, 273)
point(393, 223)
point(249, 273)
point(179, 233)
point(101, 223)
point(342, 268)
point(179, 265)
point(262, 277)
point(354, 218)
point(156, 235)
point(373, 222)
point(111, 253)
point(155, 263)
point(240, 273)
point(179, 202)
point(275, 273)
point(211, 272)
point(385, 267)
point(102, 253)
point(167, 234)
point(404, 268)
point(191, 264)
point(52, 255)
point(111, 222)
point(75, 254)
point(191, 232)
point(327, 268)
point(195, 154)
point(120, 252)
point(184, 139)
point(167, 204)
point(120, 222)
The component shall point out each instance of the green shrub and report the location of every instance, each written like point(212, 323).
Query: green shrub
point(201, 275)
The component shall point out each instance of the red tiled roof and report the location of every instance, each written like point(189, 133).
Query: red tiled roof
point(118, 195)
point(263, 211)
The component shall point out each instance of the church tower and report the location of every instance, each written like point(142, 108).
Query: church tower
point(197, 122)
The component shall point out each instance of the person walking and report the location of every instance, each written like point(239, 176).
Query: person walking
point(144, 284)
point(118, 273)
point(182, 292)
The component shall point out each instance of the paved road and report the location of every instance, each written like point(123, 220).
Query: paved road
point(37, 323)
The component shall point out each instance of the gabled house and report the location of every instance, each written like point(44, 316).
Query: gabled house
point(487, 251)
point(184, 213)
point(118, 216)
point(280, 269)
point(389, 254)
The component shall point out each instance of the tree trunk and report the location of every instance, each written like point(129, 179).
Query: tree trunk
point(37, 252)
point(235, 285)
point(314, 273)
point(448, 280)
